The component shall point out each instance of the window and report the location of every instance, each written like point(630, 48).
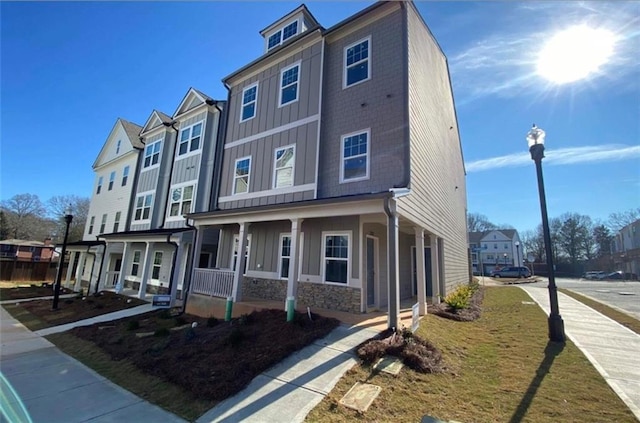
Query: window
point(99, 185)
point(143, 207)
point(236, 243)
point(490, 257)
point(249, 101)
point(355, 157)
point(336, 258)
point(495, 246)
point(118, 146)
point(289, 85)
point(181, 199)
point(152, 154)
point(112, 178)
point(356, 63)
point(285, 255)
point(135, 262)
point(283, 168)
point(241, 177)
point(506, 246)
point(116, 222)
point(274, 40)
point(125, 175)
point(190, 139)
point(282, 35)
point(103, 224)
point(157, 264)
point(92, 221)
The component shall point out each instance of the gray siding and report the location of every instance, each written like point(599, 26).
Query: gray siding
point(377, 104)
point(313, 242)
point(265, 240)
point(379, 231)
point(225, 245)
point(438, 190)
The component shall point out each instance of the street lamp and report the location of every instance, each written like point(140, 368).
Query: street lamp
point(68, 217)
point(535, 139)
point(505, 258)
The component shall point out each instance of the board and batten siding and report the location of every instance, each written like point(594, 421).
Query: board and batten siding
point(377, 103)
point(438, 191)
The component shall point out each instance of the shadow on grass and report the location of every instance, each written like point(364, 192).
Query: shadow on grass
point(552, 350)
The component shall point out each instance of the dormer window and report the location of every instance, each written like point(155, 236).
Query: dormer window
point(275, 40)
point(118, 146)
point(282, 35)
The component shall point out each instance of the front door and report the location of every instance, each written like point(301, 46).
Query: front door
point(371, 272)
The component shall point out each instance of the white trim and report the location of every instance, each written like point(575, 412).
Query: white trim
point(280, 256)
point(367, 155)
point(184, 102)
point(261, 274)
point(112, 180)
point(280, 29)
point(135, 206)
point(258, 194)
point(281, 88)
point(144, 156)
point(344, 63)
point(275, 168)
point(190, 152)
point(315, 191)
point(99, 185)
point(242, 105)
point(194, 184)
point(236, 238)
point(235, 168)
point(273, 131)
point(349, 258)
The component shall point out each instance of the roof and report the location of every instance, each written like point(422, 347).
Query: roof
point(164, 117)
point(25, 243)
point(163, 231)
point(476, 237)
point(133, 132)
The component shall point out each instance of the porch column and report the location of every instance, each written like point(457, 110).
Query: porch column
point(294, 262)
point(142, 293)
point(78, 285)
point(176, 271)
point(393, 318)
point(435, 271)
point(420, 276)
point(72, 260)
point(125, 265)
point(236, 292)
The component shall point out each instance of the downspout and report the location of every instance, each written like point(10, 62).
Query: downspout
point(405, 100)
point(134, 188)
point(219, 150)
point(93, 265)
point(186, 284)
point(104, 246)
point(173, 262)
point(173, 161)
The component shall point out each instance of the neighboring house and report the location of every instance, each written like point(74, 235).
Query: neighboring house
point(493, 249)
point(341, 156)
point(626, 250)
point(25, 260)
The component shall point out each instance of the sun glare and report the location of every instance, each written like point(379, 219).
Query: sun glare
point(575, 53)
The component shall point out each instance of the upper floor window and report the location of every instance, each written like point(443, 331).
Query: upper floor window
point(103, 224)
point(125, 175)
point(116, 222)
point(152, 154)
point(99, 185)
point(355, 157)
point(282, 35)
point(289, 84)
point(356, 62)
point(143, 206)
point(92, 221)
point(284, 166)
point(241, 176)
point(112, 178)
point(274, 40)
point(190, 139)
point(181, 200)
point(506, 246)
point(118, 146)
point(249, 102)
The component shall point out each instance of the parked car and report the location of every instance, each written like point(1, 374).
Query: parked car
point(615, 276)
point(511, 272)
point(595, 274)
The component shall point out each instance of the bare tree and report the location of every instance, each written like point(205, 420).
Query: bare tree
point(23, 213)
point(477, 222)
point(533, 243)
point(619, 220)
point(79, 208)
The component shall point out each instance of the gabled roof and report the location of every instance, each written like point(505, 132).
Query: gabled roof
point(302, 8)
point(192, 99)
point(156, 119)
point(24, 243)
point(131, 130)
point(476, 237)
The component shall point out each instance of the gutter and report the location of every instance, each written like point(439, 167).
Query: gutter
point(219, 151)
point(173, 262)
point(186, 284)
point(134, 187)
point(173, 161)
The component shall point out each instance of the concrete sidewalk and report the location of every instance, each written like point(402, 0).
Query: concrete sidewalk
point(609, 346)
point(54, 387)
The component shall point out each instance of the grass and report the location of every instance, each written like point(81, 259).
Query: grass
point(620, 317)
point(500, 368)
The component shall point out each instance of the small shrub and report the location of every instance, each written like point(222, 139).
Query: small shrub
point(235, 338)
point(460, 298)
point(133, 325)
point(180, 321)
point(211, 322)
point(161, 332)
point(474, 285)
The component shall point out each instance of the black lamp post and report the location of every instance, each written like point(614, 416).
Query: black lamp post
point(505, 258)
point(518, 254)
point(535, 139)
point(68, 217)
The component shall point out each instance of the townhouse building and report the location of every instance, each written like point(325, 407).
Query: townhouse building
point(341, 160)
point(626, 250)
point(493, 249)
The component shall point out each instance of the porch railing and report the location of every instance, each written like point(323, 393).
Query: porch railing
point(112, 279)
point(213, 282)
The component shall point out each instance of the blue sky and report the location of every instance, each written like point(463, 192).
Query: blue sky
point(68, 70)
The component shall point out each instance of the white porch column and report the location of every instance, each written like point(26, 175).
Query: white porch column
point(236, 292)
point(435, 271)
point(142, 293)
point(125, 265)
point(72, 261)
point(176, 272)
point(294, 258)
point(78, 285)
point(393, 317)
point(420, 276)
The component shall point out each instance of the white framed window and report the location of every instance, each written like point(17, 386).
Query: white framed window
point(284, 251)
point(125, 175)
point(357, 62)
point(283, 168)
point(355, 156)
point(241, 175)
point(335, 257)
point(143, 206)
point(190, 139)
point(289, 84)
point(282, 34)
point(116, 222)
point(234, 258)
point(112, 178)
point(92, 221)
point(135, 262)
point(103, 224)
point(181, 200)
point(119, 143)
point(275, 40)
point(249, 102)
point(99, 185)
point(152, 154)
point(289, 31)
point(157, 265)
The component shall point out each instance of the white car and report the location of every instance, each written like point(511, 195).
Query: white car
point(596, 274)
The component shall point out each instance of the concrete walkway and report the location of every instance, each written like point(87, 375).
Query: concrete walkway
point(612, 348)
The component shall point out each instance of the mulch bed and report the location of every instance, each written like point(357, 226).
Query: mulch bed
point(79, 308)
point(463, 315)
point(214, 359)
point(33, 291)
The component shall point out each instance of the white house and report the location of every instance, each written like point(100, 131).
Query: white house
point(496, 248)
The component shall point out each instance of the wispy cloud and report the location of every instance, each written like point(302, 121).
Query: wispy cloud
point(561, 156)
